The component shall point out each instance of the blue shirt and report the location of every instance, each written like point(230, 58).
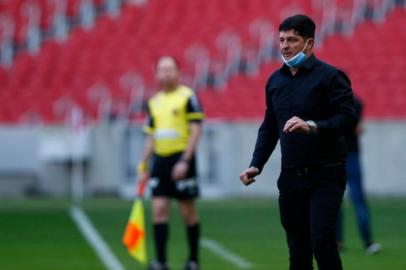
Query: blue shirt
point(317, 92)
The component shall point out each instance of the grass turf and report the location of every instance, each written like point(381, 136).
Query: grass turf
point(39, 234)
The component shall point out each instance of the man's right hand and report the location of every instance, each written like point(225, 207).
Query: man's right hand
point(142, 171)
point(247, 176)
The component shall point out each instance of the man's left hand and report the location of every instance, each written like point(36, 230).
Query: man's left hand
point(180, 170)
point(296, 125)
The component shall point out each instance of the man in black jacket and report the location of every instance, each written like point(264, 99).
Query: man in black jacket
point(309, 109)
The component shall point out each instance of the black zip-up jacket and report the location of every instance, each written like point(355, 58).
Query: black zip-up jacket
point(317, 92)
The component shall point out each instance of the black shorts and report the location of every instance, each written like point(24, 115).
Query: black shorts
point(161, 181)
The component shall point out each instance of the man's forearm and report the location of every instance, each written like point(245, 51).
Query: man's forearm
point(264, 146)
point(266, 141)
point(195, 134)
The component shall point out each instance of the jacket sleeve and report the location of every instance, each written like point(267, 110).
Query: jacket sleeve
point(268, 135)
point(341, 102)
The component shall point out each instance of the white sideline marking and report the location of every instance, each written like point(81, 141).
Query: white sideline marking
point(226, 254)
point(95, 240)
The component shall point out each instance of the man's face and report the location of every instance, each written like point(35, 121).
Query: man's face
point(167, 72)
point(291, 43)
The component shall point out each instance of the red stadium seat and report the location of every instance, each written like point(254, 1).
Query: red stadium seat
point(135, 39)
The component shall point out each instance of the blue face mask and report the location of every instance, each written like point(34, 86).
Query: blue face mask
point(297, 60)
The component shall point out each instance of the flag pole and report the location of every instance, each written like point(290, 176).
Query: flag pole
point(142, 187)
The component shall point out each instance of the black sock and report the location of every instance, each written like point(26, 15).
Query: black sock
point(193, 235)
point(161, 237)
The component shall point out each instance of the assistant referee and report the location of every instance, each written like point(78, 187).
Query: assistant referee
point(309, 109)
point(174, 127)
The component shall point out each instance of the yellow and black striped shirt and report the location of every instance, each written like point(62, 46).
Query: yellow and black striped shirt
point(169, 115)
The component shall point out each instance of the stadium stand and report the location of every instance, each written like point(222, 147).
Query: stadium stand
point(225, 47)
point(375, 68)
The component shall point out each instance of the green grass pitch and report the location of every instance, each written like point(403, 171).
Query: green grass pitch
point(39, 234)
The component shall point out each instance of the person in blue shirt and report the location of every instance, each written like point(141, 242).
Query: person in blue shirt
point(354, 182)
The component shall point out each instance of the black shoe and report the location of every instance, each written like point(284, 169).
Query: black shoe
point(191, 265)
point(157, 266)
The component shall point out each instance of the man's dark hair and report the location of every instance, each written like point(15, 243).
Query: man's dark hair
point(301, 24)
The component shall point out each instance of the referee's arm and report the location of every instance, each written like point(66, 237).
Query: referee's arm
point(195, 117)
point(196, 131)
point(148, 146)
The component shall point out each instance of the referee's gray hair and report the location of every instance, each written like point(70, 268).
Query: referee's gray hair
point(174, 59)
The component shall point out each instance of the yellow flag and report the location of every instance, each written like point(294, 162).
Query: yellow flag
point(134, 236)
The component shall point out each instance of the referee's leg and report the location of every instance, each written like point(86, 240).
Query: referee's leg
point(160, 212)
point(191, 219)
